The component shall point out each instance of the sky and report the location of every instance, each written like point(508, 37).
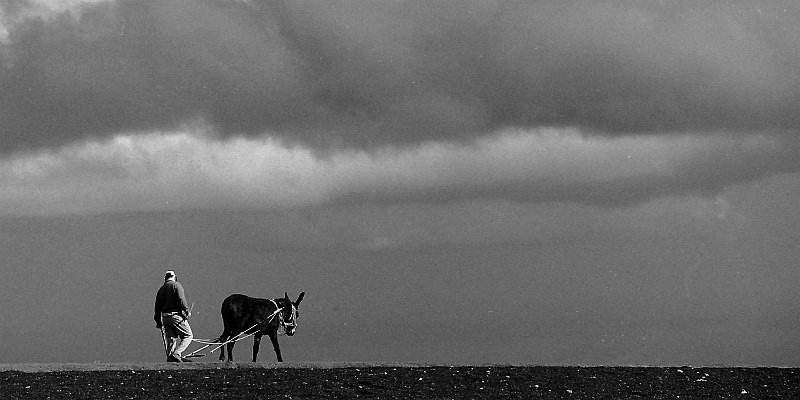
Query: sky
point(536, 182)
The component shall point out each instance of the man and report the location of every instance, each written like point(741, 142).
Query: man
point(171, 316)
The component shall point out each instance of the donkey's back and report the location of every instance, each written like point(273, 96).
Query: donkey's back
point(240, 312)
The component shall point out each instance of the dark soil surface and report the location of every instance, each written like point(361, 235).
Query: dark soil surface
point(254, 381)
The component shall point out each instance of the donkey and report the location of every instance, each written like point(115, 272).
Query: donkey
point(244, 315)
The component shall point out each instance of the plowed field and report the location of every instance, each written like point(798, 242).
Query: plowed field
point(336, 381)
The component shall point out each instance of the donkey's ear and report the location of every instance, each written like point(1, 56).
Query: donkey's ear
point(299, 299)
point(286, 296)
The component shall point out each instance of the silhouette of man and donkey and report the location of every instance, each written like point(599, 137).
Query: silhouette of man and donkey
point(242, 316)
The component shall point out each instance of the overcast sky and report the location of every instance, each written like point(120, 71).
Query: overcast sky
point(543, 182)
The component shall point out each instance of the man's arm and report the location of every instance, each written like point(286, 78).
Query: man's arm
point(184, 303)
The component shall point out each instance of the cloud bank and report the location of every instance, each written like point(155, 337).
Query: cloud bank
point(192, 170)
point(131, 105)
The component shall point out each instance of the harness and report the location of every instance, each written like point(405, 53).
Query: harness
point(282, 325)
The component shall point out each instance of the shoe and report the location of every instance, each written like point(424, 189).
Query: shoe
point(172, 358)
point(184, 359)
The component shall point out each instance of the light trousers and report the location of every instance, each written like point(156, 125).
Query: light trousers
point(178, 333)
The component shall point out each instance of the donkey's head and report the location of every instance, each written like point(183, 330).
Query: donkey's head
point(289, 312)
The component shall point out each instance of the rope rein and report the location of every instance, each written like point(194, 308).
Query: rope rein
point(238, 337)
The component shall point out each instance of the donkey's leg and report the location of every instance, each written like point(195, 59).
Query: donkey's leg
point(227, 333)
point(230, 350)
point(256, 345)
point(273, 337)
point(222, 339)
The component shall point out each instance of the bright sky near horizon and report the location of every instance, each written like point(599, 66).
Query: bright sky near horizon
point(547, 182)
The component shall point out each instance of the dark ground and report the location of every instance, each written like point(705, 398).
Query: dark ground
point(267, 381)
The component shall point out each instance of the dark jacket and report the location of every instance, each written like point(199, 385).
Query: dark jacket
point(170, 298)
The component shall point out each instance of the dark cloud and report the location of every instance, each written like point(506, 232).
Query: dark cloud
point(371, 73)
